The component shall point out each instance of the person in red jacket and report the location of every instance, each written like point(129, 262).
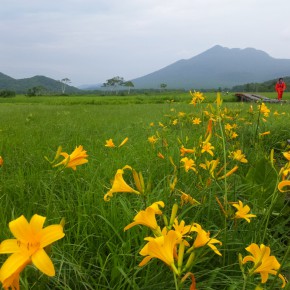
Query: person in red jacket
point(280, 88)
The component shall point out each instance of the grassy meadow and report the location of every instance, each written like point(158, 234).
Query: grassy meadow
point(197, 157)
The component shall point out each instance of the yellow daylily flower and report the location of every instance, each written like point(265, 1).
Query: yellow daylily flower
point(282, 184)
point(184, 151)
point(76, 158)
point(174, 122)
point(28, 247)
point(196, 121)
point(162, 248)
point(243, 212)
point(233, 134)
point(264, 264)
point(210, 166)
point(239, 156)
point(147, 217)
point(188, 164)
point(264, 110)
point(196, 97)
point(182, 230)
point(186, 198)
point(203, 239)
point(120, 185)
point(207, 147)
point(228, 127)
point(1, 161)
point(110, 143)
point(152, 139)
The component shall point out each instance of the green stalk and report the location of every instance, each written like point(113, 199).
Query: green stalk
point(274, 197)
point(175, 281)
point(258, 123)
point(225, 185)
point(245, 282)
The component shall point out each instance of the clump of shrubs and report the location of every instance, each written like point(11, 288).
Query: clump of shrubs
point(7, 94)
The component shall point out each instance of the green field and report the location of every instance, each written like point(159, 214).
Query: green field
point(96, 252)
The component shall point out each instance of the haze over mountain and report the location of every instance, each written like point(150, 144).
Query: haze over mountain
point(23, 85)
point(217, 67)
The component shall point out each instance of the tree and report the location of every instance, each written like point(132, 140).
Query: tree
point(36, 91)
point(7, 94)
point(114, 83)
point(163, 86)
point(64, 82)
point(129, 85)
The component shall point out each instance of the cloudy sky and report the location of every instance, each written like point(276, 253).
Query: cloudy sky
point(90, 41)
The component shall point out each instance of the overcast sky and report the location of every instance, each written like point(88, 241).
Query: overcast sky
point(90, 41)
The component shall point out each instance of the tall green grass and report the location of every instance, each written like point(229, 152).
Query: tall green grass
point(96, 253)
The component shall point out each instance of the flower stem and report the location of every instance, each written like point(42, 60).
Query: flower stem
point(225, 184)
point(175, 281)
point(257, 127)
point(245, 282)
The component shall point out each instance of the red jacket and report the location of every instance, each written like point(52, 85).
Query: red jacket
point(280, 87)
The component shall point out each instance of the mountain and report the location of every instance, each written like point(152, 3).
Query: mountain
point(23, 85)
point(217, 67)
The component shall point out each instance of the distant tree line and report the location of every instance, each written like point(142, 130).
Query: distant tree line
point(255, 87)
point(116, 83)
point(268, 86)
point(7, 94)
point(42, 91)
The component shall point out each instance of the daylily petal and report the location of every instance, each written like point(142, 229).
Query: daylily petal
point(254, 249)
point(214, 248)
point(264, 276)
point(51, 234)
point(248, 259)
point(77, 161)
point(37, 223)
point(20, 228)
point(12, 265)
point(42, 261)
point(129, 226)
point(282, 184)
point(145, 261)
point(9, 246)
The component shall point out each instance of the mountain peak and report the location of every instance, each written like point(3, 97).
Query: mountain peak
point(218, 49)
point(217, 67)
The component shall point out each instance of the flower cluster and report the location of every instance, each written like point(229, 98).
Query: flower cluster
point(176, 244)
